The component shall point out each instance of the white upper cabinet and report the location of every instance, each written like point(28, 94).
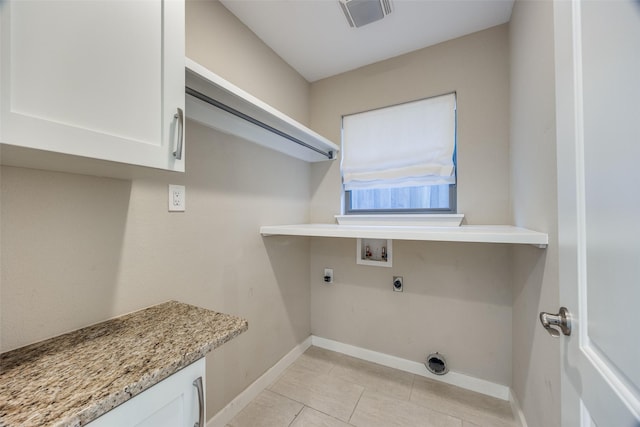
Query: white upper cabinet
point(94, 78)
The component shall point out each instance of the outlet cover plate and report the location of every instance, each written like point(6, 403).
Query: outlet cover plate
point(328, 272)
point(177, 198)
point(400, 281)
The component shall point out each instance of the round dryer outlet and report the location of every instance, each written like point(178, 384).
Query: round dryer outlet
point(436, 364)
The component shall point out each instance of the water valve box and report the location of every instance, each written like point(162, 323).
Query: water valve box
point(376, 252)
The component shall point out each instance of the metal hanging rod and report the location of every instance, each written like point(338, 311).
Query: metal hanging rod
point(218, 104)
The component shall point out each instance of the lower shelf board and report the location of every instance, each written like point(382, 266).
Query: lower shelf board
point(465, 233)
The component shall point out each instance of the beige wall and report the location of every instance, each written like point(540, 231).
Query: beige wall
point(220, 42)
point(536, 356)
point(477, 68)
point(78, 249)
point(457, 297)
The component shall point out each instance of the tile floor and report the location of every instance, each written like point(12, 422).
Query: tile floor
point(327, 389)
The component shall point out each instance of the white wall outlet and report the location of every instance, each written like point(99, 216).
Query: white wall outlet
point(328, 275)
point(177, 198)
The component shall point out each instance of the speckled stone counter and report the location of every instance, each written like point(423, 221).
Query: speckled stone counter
point(72, 379)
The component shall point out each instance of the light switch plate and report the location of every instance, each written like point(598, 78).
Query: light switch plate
point(177, 198)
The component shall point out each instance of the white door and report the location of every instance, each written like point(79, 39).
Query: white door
point(95, 78)
point(598, 130)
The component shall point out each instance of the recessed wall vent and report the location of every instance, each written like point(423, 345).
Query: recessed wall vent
point(436, 364)
point(363, 12)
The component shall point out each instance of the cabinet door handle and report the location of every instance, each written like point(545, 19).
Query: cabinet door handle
point(197, 383)
point(180, 116)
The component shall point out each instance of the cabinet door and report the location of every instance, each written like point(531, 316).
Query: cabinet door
point(172, 402)
point(93, 78)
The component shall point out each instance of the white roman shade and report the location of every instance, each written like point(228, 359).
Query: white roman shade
point(404, 145)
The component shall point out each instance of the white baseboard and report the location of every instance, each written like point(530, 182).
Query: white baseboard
point(226, 414)
point(454, 378)
point(517, 410)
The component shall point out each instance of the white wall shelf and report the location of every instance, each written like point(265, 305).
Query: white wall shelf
point(217, 103)
point(464, 233)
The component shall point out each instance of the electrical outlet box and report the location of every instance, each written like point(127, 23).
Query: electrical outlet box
point(177, 198)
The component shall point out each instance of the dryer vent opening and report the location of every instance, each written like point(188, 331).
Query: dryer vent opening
point(436, 364)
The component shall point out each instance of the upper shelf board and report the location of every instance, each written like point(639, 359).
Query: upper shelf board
point(257, 121)
point(464, 233)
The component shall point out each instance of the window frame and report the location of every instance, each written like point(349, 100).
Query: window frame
point(453, 188)
point(452, 209)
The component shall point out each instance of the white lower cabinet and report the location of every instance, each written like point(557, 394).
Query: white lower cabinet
point(94, 78)
point(173, 402)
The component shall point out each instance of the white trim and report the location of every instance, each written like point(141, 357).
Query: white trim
point(441, 220)
point(517, 410)
point(454, 378)
point(226, 414)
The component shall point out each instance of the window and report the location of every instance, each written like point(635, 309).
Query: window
point(401, 159)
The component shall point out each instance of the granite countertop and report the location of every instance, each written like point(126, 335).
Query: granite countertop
point(72, 379)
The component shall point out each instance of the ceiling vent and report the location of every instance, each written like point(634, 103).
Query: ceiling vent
point(363, 12)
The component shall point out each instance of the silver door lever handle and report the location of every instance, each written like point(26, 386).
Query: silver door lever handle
point(562, 320)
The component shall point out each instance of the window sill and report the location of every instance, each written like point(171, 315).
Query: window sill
point(428, 220)
point(464, 233)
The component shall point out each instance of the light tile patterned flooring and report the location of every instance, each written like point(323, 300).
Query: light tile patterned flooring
point(327, 389)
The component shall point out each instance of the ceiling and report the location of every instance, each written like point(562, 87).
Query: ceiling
point(313, 36)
